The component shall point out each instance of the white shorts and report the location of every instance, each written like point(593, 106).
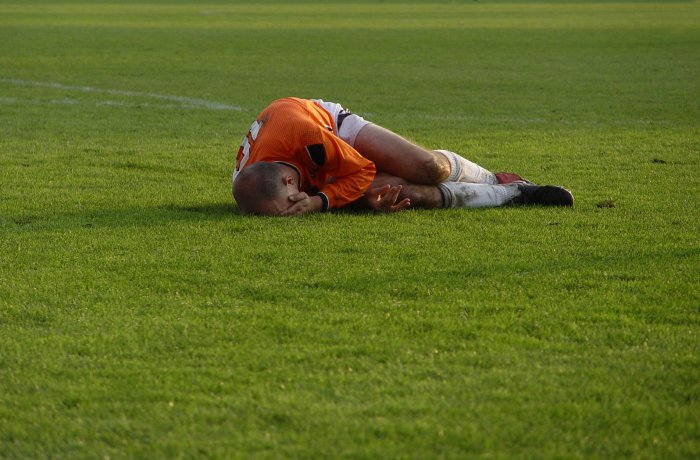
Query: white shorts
point(348, 123)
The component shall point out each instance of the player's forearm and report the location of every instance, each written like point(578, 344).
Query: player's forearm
point(346, 190)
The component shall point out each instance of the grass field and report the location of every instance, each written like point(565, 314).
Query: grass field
point(141, 316)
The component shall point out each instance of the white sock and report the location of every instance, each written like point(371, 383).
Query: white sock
point(464, 170)
point(465, 195)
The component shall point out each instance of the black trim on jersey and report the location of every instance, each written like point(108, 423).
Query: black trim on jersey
point(342, 116)
point(317, 153)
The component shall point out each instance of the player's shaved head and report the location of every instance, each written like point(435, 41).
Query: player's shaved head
point(257, 186)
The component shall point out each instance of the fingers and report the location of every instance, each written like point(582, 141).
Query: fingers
point(394, 194)
point(375, 194)
point(298, 197)
point(297, 207)
point(405, 203)
point(293, 210)
point(302, 204)
point(386, 199)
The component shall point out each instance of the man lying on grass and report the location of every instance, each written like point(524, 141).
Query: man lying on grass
point(304, 156)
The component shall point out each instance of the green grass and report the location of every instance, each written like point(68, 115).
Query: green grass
point(142, 317)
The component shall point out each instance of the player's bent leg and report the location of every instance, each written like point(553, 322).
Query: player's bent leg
point(470, 195)
point(464, 170)
point(398, 157)
point(466, 195)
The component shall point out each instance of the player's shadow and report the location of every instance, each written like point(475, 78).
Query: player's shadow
point(124, 217)
point(171, 213)
point(139, 216)
point(212, 210)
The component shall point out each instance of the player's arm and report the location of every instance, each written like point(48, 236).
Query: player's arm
point(382, 199)
point(328, 156)
point(353, 173)
point(335, 195)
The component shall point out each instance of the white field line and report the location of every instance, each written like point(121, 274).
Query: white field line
point(99, 103)
point(183, 101)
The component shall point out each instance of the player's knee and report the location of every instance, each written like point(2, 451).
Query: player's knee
point(434, 170)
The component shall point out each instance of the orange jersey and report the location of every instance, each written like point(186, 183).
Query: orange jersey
point(302, 134)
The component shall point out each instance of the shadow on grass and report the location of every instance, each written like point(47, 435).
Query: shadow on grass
point(126, 217)
point(140, 216)
point(137, 216)
point(214, 210)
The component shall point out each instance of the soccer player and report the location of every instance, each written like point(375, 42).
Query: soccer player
point(302, 156)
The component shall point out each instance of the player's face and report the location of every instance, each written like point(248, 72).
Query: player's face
point(276, 206)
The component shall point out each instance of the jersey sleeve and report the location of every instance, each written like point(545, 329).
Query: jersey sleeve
point(348, 173)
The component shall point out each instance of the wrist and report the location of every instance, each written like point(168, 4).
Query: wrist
point(317, 203)
point(323, 203)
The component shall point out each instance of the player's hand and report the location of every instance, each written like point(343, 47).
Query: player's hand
point(302, 203)
point(384, 199)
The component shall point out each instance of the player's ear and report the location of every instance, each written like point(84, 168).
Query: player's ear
point(288, 179)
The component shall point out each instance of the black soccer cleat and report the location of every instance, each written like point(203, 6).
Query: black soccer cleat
point(544, 195)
